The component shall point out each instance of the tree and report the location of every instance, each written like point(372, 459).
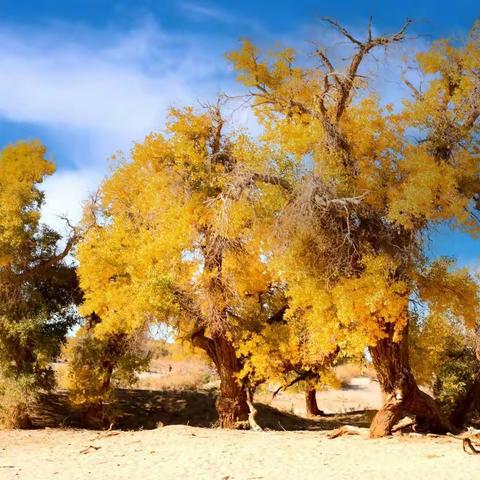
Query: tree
point(37, 287)
point(97, 365)
point(366, 192)
point(445, 359)
point(173, 242)
point(289, 350)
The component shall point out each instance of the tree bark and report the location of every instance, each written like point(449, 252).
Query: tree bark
point(231, 403)
point(401, 395)
point(311, 402)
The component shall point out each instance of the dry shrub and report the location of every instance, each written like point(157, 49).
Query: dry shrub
point(348, 371)
point(167, 373)
point(16, 399)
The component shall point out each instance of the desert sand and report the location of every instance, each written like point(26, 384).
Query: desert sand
point(182, 452)
point(175, 450)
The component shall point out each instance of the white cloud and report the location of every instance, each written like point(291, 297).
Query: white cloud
point(122, 86)
point(200, 11)
point(66, 193)
point(206, 11)
point(102, 90)
point(99, 91)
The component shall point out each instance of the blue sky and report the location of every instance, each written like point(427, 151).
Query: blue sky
point(91, 77)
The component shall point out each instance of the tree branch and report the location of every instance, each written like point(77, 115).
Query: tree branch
point(363, 49)
point(272, 180)
point(44, 265)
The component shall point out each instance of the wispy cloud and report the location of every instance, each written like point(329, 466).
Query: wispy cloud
point(206, 11)
point(103, 90)
point(203, 11)
point(122, 86)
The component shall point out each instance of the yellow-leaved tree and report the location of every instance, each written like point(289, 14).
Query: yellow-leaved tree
point(351, 240)
point(177, 237)
point(37, 288)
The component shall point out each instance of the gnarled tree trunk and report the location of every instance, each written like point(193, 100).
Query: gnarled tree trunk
point(311, 402)
point(231, 403)
point(401, 395)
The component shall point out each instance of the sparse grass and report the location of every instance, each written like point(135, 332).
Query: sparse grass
point(166, 373)
point(348, 371)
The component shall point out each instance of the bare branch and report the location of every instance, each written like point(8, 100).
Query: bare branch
point(363, 49)
point(415, 91)
point(43, 266)
point(325, 60)
point(273, 180)
point(342, 30)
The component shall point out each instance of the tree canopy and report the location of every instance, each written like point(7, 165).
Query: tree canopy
point(278, 254)
point(37, 287)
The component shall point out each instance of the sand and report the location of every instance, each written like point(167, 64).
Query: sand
point(182, 452)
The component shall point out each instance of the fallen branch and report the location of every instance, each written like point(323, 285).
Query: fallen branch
point(346, 430)
point(466, 438)
point(403, 424)
point(468, 443)
point(89, 448)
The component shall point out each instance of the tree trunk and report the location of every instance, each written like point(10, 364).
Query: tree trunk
point(311, 402)
point(231, 403)
point(400, 392)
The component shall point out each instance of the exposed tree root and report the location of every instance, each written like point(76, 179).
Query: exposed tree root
point(467, 444)
point(466, 438)
point(252, 413)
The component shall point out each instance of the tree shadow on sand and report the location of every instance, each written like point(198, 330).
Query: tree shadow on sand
point(149, 409)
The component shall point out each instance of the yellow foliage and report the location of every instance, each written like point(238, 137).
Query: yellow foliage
point(327, 209)
point(170, 225)
point(353, 267)
point(374, 299)
point(23, 166)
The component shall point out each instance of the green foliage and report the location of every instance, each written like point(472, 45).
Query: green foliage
point(96, 366)
point(443, 357)
point(454, 375)
point(16, 397)
point(37, 288)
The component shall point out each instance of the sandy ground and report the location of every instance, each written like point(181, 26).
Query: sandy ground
point(181, 452)
point(177, 451)
point(361, 394)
